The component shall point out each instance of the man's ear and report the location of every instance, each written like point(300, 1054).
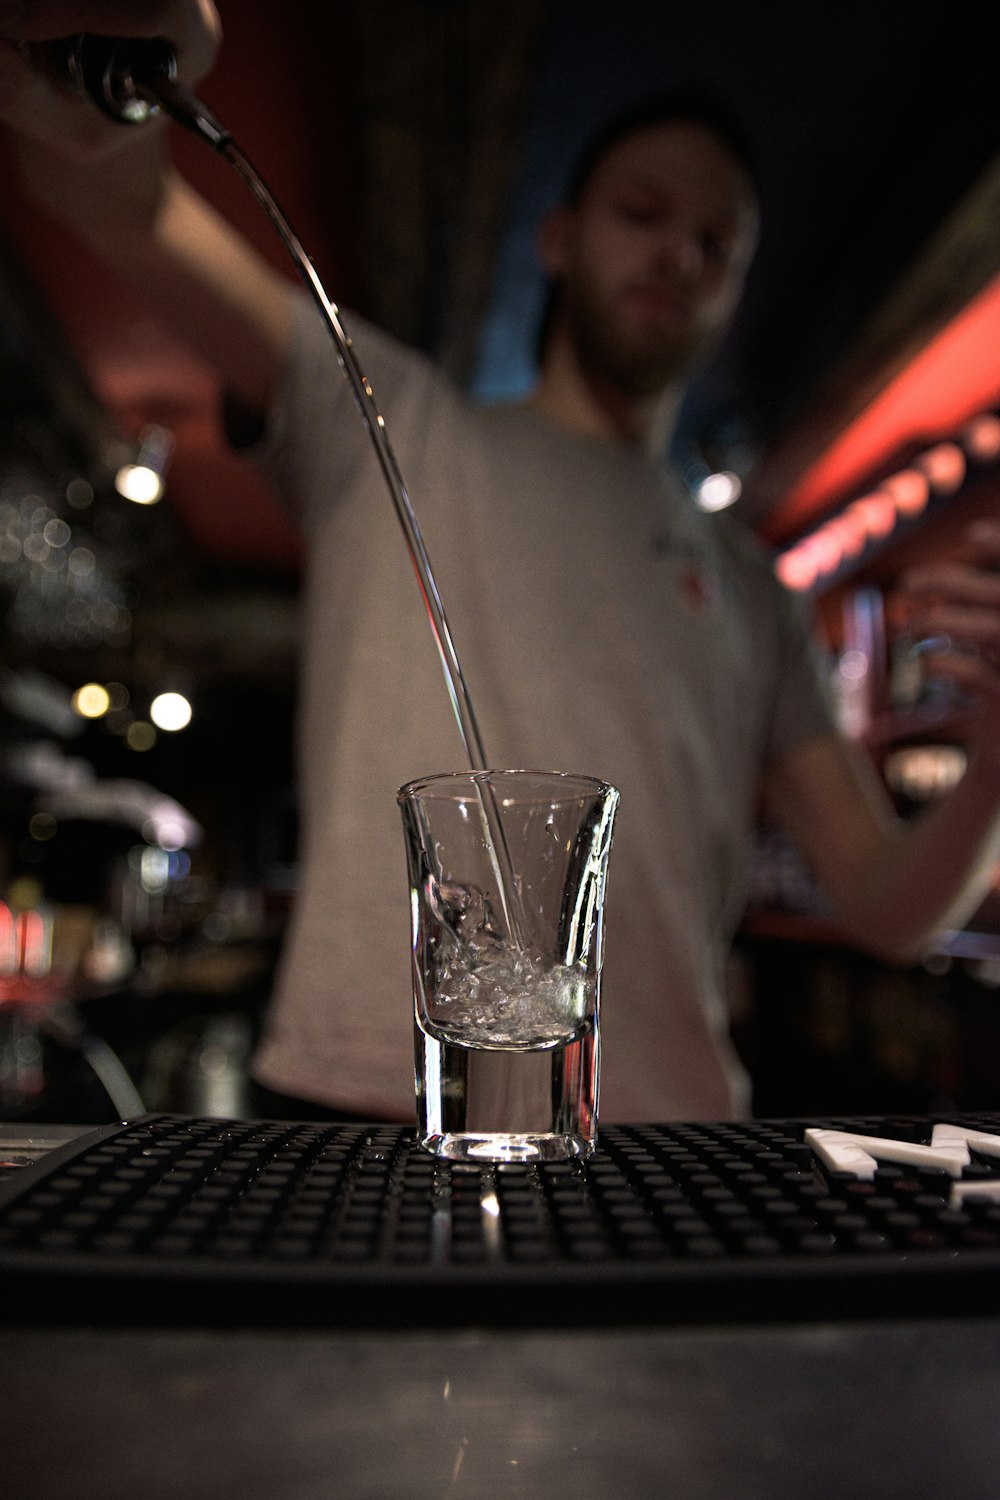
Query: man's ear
point(555, 240)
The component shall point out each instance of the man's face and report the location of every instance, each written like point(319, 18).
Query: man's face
point(651, 262)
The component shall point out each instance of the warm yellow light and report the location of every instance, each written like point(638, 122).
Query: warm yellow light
point(91, 701)
point(170, 711)
point(922, 772)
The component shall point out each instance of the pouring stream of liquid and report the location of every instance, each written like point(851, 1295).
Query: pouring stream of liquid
point(195, 116)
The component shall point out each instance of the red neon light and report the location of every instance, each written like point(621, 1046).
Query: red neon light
point(876, 513)
point(952, 379)
point(910, 491)
point(8, 941)
point(982, 437)
point(796, 569)
point(944, 467)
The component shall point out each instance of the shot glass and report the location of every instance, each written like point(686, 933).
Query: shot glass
point(507, 877)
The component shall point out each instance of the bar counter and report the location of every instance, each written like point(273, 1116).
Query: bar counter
point(903, 1410)
point(93, 1407)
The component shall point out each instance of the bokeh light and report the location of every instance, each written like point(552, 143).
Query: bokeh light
point(140, 735)
point(170, 711)
point(91, 701)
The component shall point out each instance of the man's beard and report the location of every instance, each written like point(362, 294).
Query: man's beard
point(637, 362)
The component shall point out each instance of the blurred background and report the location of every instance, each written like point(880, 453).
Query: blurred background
point(149, 644)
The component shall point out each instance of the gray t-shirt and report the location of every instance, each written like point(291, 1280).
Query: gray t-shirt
point(605, 627)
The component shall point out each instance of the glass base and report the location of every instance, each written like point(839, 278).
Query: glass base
point(499, 1146)
point(507, 1104)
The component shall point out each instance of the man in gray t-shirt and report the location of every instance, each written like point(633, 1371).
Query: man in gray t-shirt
point(604, 626)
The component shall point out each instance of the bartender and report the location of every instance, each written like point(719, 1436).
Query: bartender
point(605, 625)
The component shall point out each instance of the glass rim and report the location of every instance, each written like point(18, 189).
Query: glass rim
point(569, 784)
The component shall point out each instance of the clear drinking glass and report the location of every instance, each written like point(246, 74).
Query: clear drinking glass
point(507, 879)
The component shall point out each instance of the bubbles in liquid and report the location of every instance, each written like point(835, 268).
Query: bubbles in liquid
point(511, 999)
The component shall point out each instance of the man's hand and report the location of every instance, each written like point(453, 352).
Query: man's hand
point(97, 176)
point(113, 187)
point(956, 604)
point(38, 110)
point(191, 26)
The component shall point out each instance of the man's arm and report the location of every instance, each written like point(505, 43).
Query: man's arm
point(210, 287)
point(894, 884)
point(112, 185)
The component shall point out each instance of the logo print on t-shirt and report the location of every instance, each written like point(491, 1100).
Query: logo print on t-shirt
point(696, 587)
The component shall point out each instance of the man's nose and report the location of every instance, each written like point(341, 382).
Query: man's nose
point(679, 250)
